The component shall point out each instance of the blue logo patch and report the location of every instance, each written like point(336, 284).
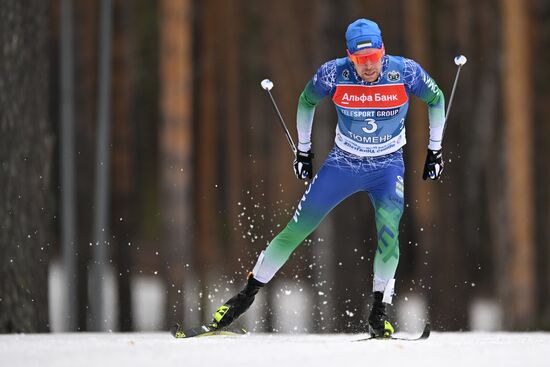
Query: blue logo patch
point(394, 75)
point(345, 74)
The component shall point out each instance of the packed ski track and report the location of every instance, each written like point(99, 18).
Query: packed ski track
point(272, 350)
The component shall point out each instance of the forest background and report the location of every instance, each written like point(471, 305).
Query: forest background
point(143, 168)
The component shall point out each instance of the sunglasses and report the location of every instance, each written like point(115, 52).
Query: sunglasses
point(373, 56)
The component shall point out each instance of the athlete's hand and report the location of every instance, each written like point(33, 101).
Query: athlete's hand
point(303, 167)
point(433, 168)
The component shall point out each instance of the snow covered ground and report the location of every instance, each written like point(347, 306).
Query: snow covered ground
point(277, 350)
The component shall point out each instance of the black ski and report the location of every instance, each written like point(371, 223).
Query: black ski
point(425, 335)
point(204, 330)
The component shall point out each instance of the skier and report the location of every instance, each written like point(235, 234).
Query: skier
point(370, 91)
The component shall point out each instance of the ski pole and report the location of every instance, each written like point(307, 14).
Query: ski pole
point(267, 85)
point(459, 61)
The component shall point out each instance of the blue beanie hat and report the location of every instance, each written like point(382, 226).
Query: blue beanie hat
point(363, 33)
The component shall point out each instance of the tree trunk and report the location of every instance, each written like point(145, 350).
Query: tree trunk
point(519, 295)
point(26, 148)
point(479, 87)
point(208, 137)
point(232, 177)
point(176, 148)
point(123, 220)
point(541, 12)
point(85, 47)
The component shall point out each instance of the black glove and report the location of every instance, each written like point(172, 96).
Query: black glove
point(433, 168)
point(303, 168)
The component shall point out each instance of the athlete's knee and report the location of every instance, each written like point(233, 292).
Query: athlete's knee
point(293, 235)
point(389, 213)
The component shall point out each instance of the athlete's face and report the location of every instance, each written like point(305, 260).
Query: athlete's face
point(368, 63)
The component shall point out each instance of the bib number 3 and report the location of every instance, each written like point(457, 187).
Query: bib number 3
point(371, 126)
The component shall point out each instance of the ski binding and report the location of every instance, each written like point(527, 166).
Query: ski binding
point(204, 330)
point(425, 335)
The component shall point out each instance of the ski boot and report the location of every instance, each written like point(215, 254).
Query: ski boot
point(379, 326)
point(237, 305)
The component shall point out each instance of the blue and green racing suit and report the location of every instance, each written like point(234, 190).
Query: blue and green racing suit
point(367, 156)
